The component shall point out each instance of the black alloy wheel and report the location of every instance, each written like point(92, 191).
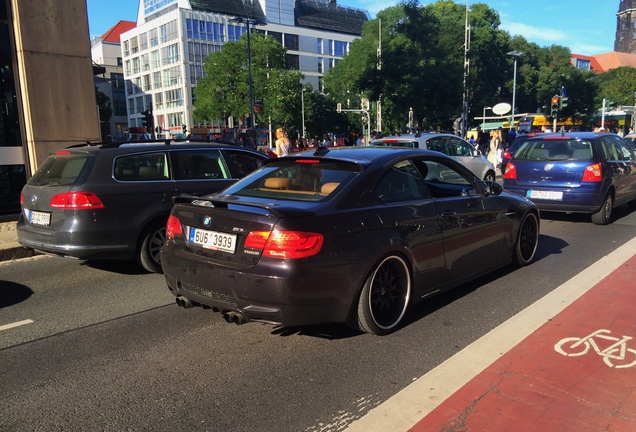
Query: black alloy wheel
point(385, 297)
point(527, 240)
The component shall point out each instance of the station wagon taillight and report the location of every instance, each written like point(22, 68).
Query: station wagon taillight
point(173, 227)
point(76, 201)
point(593, 173)
point(285, 244)
point(511, 171)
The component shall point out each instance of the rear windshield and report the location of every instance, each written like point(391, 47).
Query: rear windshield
point(395, 143)
point(297, 179)
point(561, 149)
point(59, 170)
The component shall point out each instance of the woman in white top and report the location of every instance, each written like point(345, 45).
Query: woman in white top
point(283, 145)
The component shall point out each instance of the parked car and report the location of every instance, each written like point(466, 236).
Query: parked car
point(577, 172)
point(346, 234)
point(112, 201)
point(512, 148)
point(447, 143)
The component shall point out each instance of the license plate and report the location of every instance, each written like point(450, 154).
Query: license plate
point(40, 218)
point(213, 240)
point(546, 195)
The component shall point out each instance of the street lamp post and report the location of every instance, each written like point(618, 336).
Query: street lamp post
point(483, 119)
point(302, 107)
point(516, 55)
point(247, 22)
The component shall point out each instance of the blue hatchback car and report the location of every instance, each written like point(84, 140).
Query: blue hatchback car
point(576, 172)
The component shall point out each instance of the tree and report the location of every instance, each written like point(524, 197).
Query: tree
point(224, 91)
point(617, 85)
point(103, 103)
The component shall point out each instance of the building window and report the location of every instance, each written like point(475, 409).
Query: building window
point(134, 45)
point(340, 48)
point(320, 48)
point(174, 98)
point(234, 32)
point(320, 64)
point(143, 41)
point(156, 80)
point(159, 101)
point(170, 54)
point(582, 64)
point(292, 61)
point(278, 37)
point(126, 48)
point(135, 63)
point(154, 60)
point(154, 40)
point(291, 42)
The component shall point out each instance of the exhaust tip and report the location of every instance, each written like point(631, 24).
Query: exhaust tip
point(184, 302)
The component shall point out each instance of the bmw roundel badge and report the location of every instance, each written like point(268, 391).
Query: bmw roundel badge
point(207, 221)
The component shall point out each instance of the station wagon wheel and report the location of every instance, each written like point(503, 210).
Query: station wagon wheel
point(384, 297)
point(490, 177)
point(527, 240)
point(602, 217)
point(153, 239)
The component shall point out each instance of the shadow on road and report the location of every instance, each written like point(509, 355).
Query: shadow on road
point(12, 293)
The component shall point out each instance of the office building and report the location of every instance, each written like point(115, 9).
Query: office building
point(163, 56)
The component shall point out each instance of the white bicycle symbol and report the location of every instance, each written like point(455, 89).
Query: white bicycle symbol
point(616, 355)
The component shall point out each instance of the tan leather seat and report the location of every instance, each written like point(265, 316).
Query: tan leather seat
point(327, 188)
point(280, 183)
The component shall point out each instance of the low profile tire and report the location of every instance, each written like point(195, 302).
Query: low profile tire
point(384, 298)
point(153, 239)
point(602, 217)
point(527, 240)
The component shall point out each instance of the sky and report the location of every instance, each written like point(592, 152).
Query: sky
point(586, 27)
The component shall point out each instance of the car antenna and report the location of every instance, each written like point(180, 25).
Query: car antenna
point(321, 151)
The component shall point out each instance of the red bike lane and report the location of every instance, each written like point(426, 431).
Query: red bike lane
point(577, 372)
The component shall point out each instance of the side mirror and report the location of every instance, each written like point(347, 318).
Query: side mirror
point(493, 188)
point(476, 153)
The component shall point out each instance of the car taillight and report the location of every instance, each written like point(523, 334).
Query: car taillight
point(173, 226)
point(511, 171)
point(593, 173)
point(506, 154)
point(22, 198)
point(76, 201)
point(285, 244)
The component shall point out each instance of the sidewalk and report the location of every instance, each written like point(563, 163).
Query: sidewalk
point(10, 249)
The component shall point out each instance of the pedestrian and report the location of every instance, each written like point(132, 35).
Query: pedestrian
point(359, 142)
point(283, 145)
point(494, 145)
point(471, 139)
point(326, 141)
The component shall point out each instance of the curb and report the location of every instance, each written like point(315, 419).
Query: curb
point(14, 250)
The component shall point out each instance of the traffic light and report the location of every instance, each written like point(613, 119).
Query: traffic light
point(554, 110)
point(184, 128)
point(563, 102)
point(148, 121)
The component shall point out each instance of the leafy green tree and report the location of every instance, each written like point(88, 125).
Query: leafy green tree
point(617, 85)
point(224, 91)
point(103, 104)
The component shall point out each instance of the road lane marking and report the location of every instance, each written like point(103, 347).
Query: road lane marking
point(15, 324)
point(414, 402)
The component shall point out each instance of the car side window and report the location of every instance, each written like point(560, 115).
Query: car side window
point(200, 165)
point(622, 149)
point(460, 147)
point(402, 182)
point(438, 144)
point(610, 150)
point(242, 163)
point(443, 181)
point(142, 167)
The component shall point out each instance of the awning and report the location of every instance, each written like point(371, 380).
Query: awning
point(492, 125)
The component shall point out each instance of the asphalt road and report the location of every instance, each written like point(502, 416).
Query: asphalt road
point(108, 350)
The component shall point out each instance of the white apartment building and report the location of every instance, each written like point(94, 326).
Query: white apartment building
point(163, 55)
